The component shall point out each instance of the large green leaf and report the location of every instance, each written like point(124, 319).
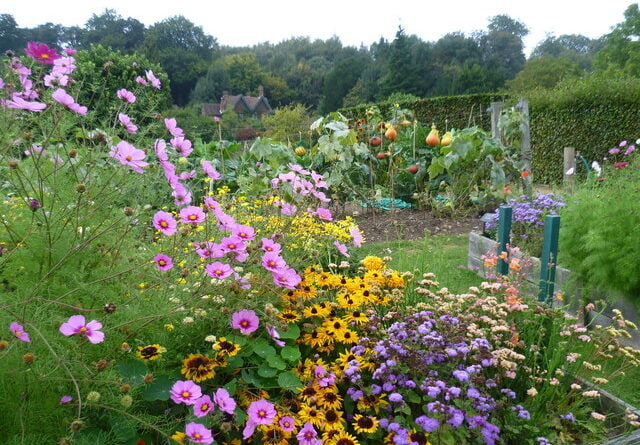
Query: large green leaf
point(132, 371)
point(289, 380)
point(290, 353)
point(158, 389)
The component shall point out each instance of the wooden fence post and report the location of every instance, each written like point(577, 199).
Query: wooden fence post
point(569, 167)
point(504, 231)
point(549, 257)
point(496, 110)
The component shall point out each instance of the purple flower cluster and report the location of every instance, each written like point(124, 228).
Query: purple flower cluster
point(429, 365)
point(528, 211)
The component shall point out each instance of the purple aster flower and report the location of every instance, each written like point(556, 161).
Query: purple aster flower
point(428, 424)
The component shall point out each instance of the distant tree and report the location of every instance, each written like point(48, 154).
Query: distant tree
point(49, 33)
point(209, 88)
point(580, 49)
point(402, 74)
point(288, 124)
point(543, 72)
point(621, 50)
point(183, 50)
point(340, 80)
point(244, 71)
point(111, 30)
point(11, 37)
point(502, 49)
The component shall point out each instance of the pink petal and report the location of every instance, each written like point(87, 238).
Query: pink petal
point(77, 321)
point(95, 336)
point(94, 325)
point(67, 329)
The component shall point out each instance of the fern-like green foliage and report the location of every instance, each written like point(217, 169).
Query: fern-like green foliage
point(599, 235)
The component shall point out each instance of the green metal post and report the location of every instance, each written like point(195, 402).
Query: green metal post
point(549, 257)
point(504, 231)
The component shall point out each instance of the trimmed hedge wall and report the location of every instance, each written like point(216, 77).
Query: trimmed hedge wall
point(445, 111)
point(591, 114)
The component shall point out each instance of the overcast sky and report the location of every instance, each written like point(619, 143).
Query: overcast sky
point(244, 22)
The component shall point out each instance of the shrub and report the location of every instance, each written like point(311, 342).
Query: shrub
point(599, 240)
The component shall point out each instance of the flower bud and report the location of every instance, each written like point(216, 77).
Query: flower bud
point(148, 378)
point(13, 164)
point(77, 425)
point(109, 308)
point(4, 344)
point(28, 358)
point(81, 188)
point(126, 401)
point(125, 387)
point(93, 396)
point(73, 153)
point(129, 211)
point(101, 365)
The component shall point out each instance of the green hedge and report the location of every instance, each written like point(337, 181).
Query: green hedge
point(592, 115)
point(446, 111)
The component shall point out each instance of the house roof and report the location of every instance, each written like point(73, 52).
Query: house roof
point(209, 109)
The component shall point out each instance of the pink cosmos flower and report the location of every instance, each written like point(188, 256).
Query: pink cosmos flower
point(192, 215)
point(341, 248)
point(62, 97)
point(163, 262)
point(261, 412)
point(198, 433)
point(126, 95)
point(182, 146)
point(56, 79)
point(218, 270)
point(319, 180)
point(245, 320)
point(41, 53)
point(246, 233)
point(1, 83)
point(630, 150)
point(129, 155)
point(209, 250)
point(308, 435)
point(76, 325)
point(268, 245)
point(180, 193)
point(288, 278)
point(155, 82)
point(203, 406)
point(19, 103)
point(70, 51)
point(209, 170)
point(273, 262)
point(173, 128)
point(64, 65)
point(287, 423)
point(185, 176)
point(275, 335)
point(322, 213)
point(159, 147)
point(356, 236)
point(141, 80)
point(164, 222)
point(623, 144)
point(288, 209)
point(66, 399)
point(18, 332)
point(185, 391)
point(232, 244)
point(614, 151)
point(224, 401)
point(127, 124)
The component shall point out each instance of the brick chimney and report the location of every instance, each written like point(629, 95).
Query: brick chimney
point(260, 91)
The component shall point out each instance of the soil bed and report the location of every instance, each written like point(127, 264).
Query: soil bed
point(409, 224)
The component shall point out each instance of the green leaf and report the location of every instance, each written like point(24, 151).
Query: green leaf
point(412, 397)
point(263, 349)
point(250, 376)
point(292, 332)
point(276, 362)
point(290, 353)
point(288, 380)
point(158, 389)
point(132, 371)
point(231, 387)
point(235, 362)
point(266, 371)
